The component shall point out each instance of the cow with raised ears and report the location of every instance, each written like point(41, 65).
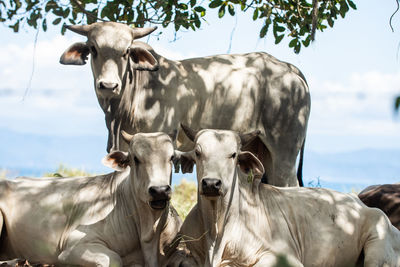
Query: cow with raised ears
point(239, 221)
point(118, 219)
point(141, 91)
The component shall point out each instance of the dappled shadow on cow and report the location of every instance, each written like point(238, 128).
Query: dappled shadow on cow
point(253, 224)
point(253, 91)
point(121, 218)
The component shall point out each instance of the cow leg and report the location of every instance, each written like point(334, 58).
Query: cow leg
point(95, 255)
point(382, 247)
point(283, 171)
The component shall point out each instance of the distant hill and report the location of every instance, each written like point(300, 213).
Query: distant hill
point(30, 154)
point(354, 169)
point(33, 155)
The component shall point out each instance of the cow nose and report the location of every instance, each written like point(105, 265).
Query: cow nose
point(211, 186)
point(160, 192)
point(107, 86)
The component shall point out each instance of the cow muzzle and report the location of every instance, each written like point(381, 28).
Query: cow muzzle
point(108, 88)
point(211, 187)
point(160, 195)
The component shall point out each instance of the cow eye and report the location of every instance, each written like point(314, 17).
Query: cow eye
point(136, 160)
point(197, 153)
point(93, 51)
point(233, 155)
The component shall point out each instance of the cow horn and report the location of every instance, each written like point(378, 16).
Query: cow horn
point(190, 133)
point(127, 137)
point(141, 32)
point(248, 137)
point(80, 29)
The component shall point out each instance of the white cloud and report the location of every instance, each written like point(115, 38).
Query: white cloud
point(361, 105)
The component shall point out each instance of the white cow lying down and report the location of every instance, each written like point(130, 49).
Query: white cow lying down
point(121, 218)
point(239, 221)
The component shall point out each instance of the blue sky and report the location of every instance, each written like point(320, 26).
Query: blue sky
point(352, 70)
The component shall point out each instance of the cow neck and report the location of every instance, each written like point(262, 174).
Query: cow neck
point(217, 215)
point(134, 81)
point(149, 224)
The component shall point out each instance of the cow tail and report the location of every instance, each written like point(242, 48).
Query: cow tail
point(300, 167)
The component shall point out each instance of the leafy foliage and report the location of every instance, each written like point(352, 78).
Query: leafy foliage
point(184, 197)
point(296, 19)
point(64, 171)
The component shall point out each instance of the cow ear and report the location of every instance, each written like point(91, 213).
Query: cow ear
point(143, 59)
point(185, 160)
point(249, 164)
point(76, 54)
point(117, 160)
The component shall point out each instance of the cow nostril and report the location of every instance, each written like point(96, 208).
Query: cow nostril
point(152, 191)
point(203, 182)
point(168, 189)
point(218, 184)
point(158, 191)
point(108, 86)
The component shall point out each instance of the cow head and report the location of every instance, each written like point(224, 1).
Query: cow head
point(149, 157)
point(216, 155)
point(113, 50)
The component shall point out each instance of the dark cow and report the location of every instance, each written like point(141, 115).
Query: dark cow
point(385, 197)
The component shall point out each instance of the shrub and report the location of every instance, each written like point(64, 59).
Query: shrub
point(184, 197)
point(64, 171)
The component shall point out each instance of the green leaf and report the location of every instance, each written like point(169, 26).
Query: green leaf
point(255, 14)
point(306, 42)
point(49, 5)
point(264, 31)
point(199, 9)
point(280, 28)
point(44, 25)
point(215, 3)
point(297, 48)
point(58, 11)
point(278, 38)
point(193, 2)
point(63, 29)
point(330, 22)
point(343, 9)
point(221, 12)
point(15, 27)
point(397, 103)
point(66, 13)
point(57, 21)
point(197, 22)
point(351, 4)
point(231, 10)
point(293, 42)
point(183, 6)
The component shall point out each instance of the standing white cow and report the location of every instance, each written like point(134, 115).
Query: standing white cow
point(141, 91)
point(118, 219)
point(239, 221)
